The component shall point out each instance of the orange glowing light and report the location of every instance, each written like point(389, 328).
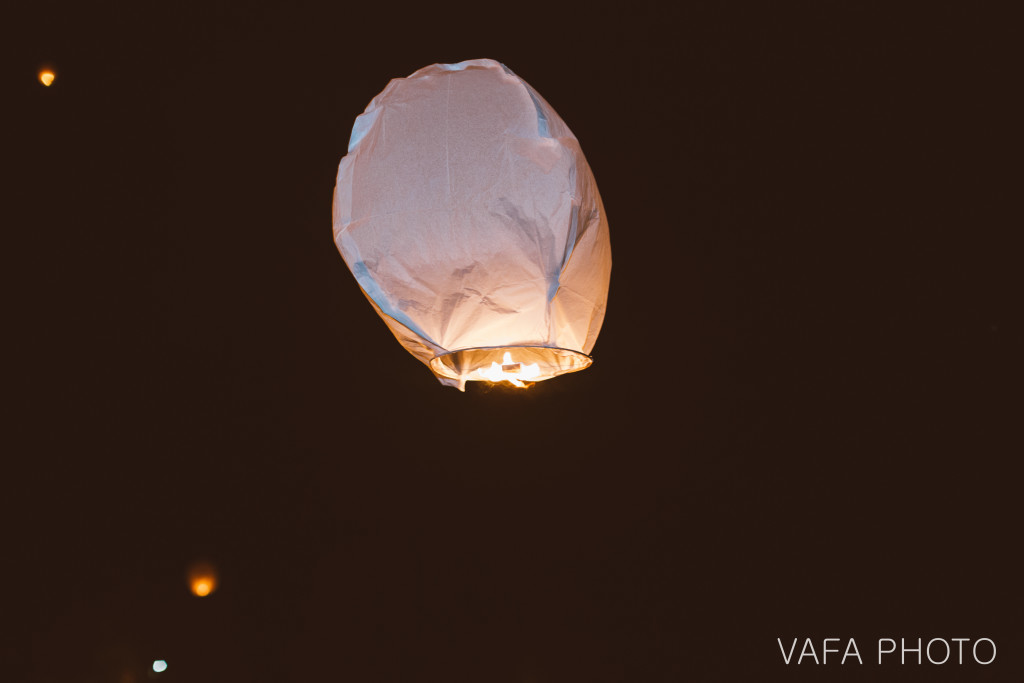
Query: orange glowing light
point(202, 579)
point(46, 77)
point(510, 371)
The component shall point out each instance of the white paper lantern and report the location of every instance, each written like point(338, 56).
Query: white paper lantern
point(471, 220)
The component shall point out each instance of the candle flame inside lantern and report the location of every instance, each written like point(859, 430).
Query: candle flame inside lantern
point(46, 77)
point(510, 371)
point(202, 579)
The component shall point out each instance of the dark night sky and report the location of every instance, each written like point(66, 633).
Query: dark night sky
point(801, 419)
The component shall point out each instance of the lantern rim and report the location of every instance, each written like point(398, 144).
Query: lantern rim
point(552, 361)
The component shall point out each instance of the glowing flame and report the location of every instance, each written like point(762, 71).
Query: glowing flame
point(202, 579)
point(46, 77)
point(510, 371)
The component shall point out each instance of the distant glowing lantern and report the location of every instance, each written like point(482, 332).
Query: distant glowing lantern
point(472, 222)
point(46, 77)
point(202, 578)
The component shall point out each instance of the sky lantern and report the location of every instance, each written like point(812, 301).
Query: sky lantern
point(202, 578)
point(468, 215)
point(47, 76)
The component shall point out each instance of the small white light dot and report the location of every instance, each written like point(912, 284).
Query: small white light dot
point(159, 665)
